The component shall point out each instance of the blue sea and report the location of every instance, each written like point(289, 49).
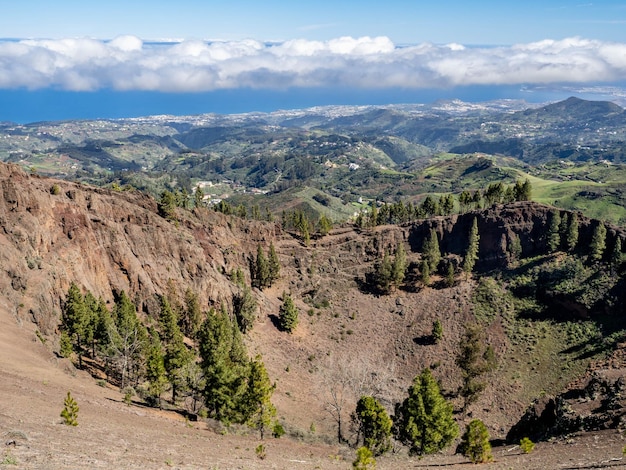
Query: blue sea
point(26, 106)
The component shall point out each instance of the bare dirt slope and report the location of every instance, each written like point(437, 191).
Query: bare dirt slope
point(111, 434)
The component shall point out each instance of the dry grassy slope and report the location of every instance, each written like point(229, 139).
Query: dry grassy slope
point(107, 241)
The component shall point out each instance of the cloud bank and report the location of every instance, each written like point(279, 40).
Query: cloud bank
point(128, 63)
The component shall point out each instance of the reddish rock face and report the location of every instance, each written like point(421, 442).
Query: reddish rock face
point(108, 241)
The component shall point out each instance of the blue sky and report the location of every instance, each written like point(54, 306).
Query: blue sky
point(443, 21)
point(70, 59)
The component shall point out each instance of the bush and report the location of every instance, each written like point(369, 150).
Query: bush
point(55, 190)
point(278, 430)
point(260, 451)
point(527, 445)
point(364, 459)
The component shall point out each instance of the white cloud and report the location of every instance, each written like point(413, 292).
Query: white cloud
point(127, 63)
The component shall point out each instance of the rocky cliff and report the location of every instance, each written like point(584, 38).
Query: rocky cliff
point(108, 241)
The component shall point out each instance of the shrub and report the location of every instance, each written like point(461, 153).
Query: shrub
point(55, 190)
point(527, 445)
point(364, 459)
point(260, 451)
point(278, 430)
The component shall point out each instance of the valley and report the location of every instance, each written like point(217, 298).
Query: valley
point(110, 206)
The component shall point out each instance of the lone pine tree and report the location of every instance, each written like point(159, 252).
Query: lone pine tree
point(424, 419)
point(288, 314)
point(70, 411)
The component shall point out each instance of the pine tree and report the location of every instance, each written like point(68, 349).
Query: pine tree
point(373, 424)
point(571, 239)
point(475, 359)
point(155, 370)
point(273, 265)
point(398, 267)
point(364, 459)
point(325, 225)
point(429, 206)
point(70, 411)
point(475, 442)
point(76, 319)
point(446, 203)
point(598, 242)
point(65, 345)
point(437, 333)
point(465, 200)
point(167, 205)
point(257, 403)
point(198, 197)
point(225, 367)
point(176, 356)
point(102, 327)
point(514, 247)
point(616, 254)
point(424, 420)
point(383, 274)
point(192, 314)
point(450, 275)
point(261, 272)
point(523, 191)
point(244, 309)
point(431, 250)
point(554, 237)
point(471, 255)
point(127, 337)
point(288, 314)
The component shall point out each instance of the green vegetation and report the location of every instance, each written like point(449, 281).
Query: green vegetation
point(526, 445)
point(431, 251)
point(364, 459)
point(424, 421)
point(70, 411)
point(288, 314)
point(373, 425)
point(437, 332)
point(475, 359)
point(265, 269)
point(475, 442)
point(471, 255)
point(389, 274)
point(156, 360)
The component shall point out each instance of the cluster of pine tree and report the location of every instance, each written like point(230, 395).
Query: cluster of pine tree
point(389, 274)
point(211, 367)
point(400, 212)
point(423, 421)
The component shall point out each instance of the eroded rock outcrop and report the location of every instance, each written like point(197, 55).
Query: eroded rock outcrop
point(108, 241)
